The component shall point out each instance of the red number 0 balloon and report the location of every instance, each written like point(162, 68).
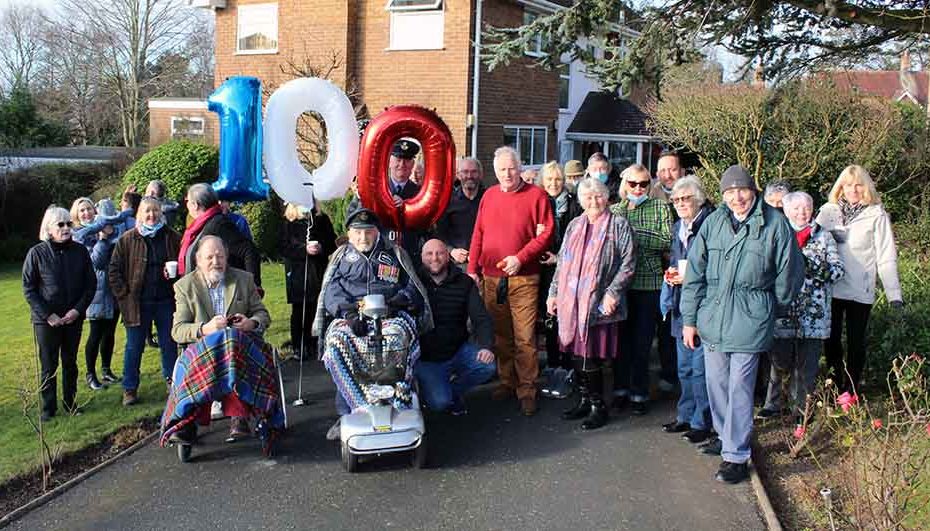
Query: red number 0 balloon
point(396, 122)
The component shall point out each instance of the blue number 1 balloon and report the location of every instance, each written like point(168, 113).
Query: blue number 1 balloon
point(238, 102)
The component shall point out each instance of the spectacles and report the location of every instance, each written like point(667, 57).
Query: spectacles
point(63, 224)
point(682, 199)
point(640, 184)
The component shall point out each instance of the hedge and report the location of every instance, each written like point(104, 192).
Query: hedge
point(178, 163)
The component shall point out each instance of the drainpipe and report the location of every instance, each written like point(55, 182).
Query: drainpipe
point(475, 80)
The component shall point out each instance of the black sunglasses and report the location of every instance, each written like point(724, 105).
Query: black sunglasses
point(63, 224)
point(640, 184)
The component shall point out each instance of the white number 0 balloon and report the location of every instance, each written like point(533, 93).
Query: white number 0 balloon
point(287, 176)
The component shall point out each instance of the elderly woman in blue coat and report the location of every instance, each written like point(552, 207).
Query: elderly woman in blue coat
point(744, 270)
point(693, 416)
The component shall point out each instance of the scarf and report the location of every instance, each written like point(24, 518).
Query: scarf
point(561, 207)
point(803, 235)
point(147, 231)
point(579, 263)
point(191, 234)
point(850, 211)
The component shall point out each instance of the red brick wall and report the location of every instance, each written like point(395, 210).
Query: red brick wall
point(308, 32)
point(160, 125)
point(437, 79)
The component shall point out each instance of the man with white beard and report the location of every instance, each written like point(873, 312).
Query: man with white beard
point(215, 297)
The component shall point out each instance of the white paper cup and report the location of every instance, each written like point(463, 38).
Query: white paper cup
point(314, 243)
point(172, 268)
point(682, 268)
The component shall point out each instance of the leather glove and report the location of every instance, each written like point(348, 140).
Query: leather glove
point(359, 327)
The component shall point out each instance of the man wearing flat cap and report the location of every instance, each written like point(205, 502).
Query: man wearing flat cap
point(368, 264)
point(744, 270)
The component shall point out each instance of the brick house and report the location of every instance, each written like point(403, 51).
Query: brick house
point(902, 85)
point(404, 51)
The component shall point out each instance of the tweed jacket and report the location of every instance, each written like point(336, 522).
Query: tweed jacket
point(193, 307)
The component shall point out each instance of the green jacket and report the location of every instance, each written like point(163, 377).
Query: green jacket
point(738, 282)
point(652, 225)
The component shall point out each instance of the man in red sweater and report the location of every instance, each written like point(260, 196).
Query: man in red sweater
point(512, 231)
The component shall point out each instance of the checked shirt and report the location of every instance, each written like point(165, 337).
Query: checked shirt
point(652, 224)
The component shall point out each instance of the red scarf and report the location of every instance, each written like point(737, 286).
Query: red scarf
point(803, 235)
point(190, 235)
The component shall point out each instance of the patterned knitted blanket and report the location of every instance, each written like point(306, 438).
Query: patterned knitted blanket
point(352, 364)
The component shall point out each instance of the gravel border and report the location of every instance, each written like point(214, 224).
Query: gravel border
point(64, 487)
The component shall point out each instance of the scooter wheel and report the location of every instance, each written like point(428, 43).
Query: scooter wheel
point(420, 454)
point(349, 460)
point(184, 452)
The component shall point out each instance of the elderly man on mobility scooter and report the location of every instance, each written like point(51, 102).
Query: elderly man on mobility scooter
point(378, 309)
point(219, 313)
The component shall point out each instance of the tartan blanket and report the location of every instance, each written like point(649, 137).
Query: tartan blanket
point(224, 362)
point(346, 357)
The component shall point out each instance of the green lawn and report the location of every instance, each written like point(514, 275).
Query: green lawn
point(103, 410)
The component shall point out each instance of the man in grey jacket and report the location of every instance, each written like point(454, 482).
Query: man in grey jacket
point(744, 269)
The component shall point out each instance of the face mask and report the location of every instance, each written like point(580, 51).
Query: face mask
point(636, 200)
point(798, 227)
point(601, 177)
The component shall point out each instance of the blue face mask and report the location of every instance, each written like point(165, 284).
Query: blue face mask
point(636, 200)
point(798, 228)
point(603, 176)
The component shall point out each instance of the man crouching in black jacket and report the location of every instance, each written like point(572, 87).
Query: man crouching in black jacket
point(446, 350)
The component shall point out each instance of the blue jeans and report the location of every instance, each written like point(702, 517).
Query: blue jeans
point(693, 404)
point(631, 368)
point(731, 380)
point(162, 313)
point(444, 383)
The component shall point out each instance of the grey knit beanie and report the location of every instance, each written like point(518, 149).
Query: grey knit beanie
point(736, 177)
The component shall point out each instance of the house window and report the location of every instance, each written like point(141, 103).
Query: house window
point(530, 143)
point(621, 154)
point(537, 45)
point(257, 29)
point(565, 81)
point(184, 127)
point(416, 24)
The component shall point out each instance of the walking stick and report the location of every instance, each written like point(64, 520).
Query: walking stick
point(303, 320)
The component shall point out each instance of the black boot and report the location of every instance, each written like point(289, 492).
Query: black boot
point(597, 414)
point(583, 407)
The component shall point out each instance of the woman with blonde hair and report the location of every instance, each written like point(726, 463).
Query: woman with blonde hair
point(98, 234)
point(59, 284)
point(565, 207)
point(862, 230)
point(306, 243)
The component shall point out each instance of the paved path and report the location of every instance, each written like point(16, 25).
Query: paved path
point(492, 469)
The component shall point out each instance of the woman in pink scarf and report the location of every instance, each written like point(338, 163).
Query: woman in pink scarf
point(595, 267)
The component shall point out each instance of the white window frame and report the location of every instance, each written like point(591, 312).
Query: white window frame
point(537, 50)
point(435, 12)
point(191, 119)
point(535, 162)
point(239, 23)
point(435, 4)
point(566, 76)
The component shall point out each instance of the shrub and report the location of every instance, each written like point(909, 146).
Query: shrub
point(336, 210)
point(179, 164)
point(265, 220)
point(26, 193)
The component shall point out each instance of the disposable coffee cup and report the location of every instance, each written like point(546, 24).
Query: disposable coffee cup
point(314, 243)
point(172, 268)
point(682, 268)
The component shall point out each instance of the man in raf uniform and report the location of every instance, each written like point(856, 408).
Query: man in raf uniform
point(367, 265)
